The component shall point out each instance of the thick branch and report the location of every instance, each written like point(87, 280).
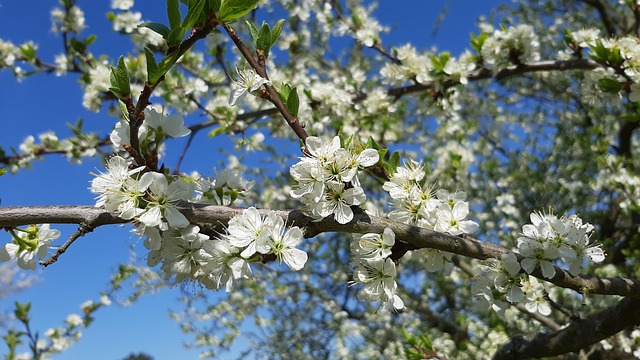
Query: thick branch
point(578, 335)
point(415, 237)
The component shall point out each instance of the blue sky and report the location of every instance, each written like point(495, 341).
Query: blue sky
point(46, 102)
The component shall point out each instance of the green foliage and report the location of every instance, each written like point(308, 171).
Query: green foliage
point(234, 9)
point(605, 55)
point(120, 84)
point(477, 41)
point(173, 12)
point(156, 71)
point(418, 347)
point(393, 163)
point(157, 27)
point(609, 85)
point(265, 37)
point(293, 102)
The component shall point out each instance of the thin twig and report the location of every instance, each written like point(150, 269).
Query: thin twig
point(83, 229)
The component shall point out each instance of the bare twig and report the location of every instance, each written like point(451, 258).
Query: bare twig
point(83, 229)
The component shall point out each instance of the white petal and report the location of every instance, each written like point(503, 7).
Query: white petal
point(460, 210)
point(343, 214)
point(368, 157)
point(8, 251)
point(237, 95)
point(595, 254)
point(528, 264)
point(175, 218)
point(293, 237)
point(388, 237)
point(152, 217)
point(548, 270)
point(295, 258)
point(26, 260)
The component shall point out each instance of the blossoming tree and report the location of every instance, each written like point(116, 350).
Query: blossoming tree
point(420, 204)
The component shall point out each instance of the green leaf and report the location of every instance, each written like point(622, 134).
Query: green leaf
point(275, 32)
point(90, 39)
point(176, 35)
point(157, 27)
point(213, 5)
point(264, 38)
point(372, 144)
point(196, 8)
point(234, 9)
point(478, 40)
point(253, 31)
point(217, 131)
point(284, 91)
point(609, 85)
point(440, 61)
point(167, 63)
point(173, 11)
point(293, 102)
point(3, 171)
point(152, 67)
point(120, 84)
point(22, 311)
point(28, 51)
point(78, 46)
point(123, 109)
point(393, 163)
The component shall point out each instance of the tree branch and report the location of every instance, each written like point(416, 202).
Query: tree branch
point(578, 335)
point(415, 237)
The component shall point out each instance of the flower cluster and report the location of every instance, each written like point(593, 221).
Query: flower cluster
point(543, 242)
point(327, 179)
point(215, 262)
point(504, 283)
point(27, 244)
point(375, 269)
point(549, 238)
point(515, 45)
point(415, 203)
point(186, 253)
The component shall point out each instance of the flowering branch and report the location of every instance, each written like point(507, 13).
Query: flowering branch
point(415, 237)
point(274, 98)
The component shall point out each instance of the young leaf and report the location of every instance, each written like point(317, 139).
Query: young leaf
point(120, 86)
point(195, 10)
point(275, 32)
point(152, 67)
point(392, 164)
point(293, 102)
point(253, 31)
point(235, 9)
point(157, 27)
point(213, 5)
point(167, 63)
point(372, 144)
point(264, 38)
point(176, 35)
point(173, 11)
point(123, 109)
